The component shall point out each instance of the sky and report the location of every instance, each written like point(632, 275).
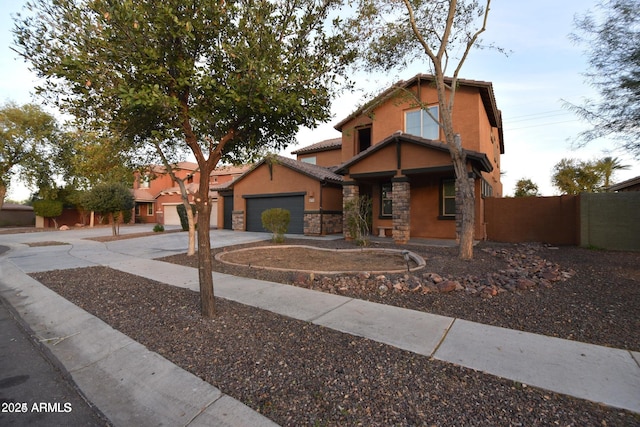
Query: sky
point(543, 68)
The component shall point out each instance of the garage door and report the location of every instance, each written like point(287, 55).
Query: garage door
point(171, 216)
point(293, 203)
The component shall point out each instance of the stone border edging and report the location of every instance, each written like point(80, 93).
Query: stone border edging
point(413, 256)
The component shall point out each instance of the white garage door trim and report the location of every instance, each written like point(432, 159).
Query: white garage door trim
point(170, 211)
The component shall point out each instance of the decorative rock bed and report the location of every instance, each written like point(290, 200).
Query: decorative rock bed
point(527, 270)
point(409, 257)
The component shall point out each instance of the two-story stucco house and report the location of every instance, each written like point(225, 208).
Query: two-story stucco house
point(157, 196)
point(390, 150)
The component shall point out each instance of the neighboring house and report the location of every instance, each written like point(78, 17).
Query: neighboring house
point(312, 193)
point(391, 151)
point(632, 184)
point(13, 214)
point(157, 196)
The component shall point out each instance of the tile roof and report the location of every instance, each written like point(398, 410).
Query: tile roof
point(192, 188)
point(316, 172)
point(625, 184)
point(230, 170)
point(143, 195)
point(16, 207)
point(326, 145)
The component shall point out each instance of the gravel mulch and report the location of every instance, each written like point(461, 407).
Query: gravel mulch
point(595, 297)
point(300, 374)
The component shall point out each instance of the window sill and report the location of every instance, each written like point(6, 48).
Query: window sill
point(447, 217)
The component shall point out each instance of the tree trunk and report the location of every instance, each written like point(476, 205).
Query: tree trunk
point(207, 300)
point(468, 213)
point(3, 193)
point(192, 230)
point(114, 232)
point(190, 220)
point(465, 197)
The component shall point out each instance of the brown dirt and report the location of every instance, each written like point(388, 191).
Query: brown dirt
point(128, 236)
point(46, 243)
point(298, 374)
point(308, 259)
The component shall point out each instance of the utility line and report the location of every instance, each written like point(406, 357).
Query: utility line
point(541, 124)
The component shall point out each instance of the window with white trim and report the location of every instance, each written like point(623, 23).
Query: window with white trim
point(386, 202)
point(420, 123)
point(150, 209)
point(448, 201)
point(487, 189)
point(144, 181)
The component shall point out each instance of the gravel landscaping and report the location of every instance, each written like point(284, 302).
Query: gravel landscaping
point(299, 374)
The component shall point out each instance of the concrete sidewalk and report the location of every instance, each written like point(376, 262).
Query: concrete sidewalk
point(132, 385)
point(600, 374)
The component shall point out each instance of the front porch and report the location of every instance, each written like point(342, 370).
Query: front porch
point(411, 185)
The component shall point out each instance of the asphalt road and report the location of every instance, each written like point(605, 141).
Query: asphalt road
point(34, 389)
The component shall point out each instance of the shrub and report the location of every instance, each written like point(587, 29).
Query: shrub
point(126, 216)
point(276, 220)
point(109, 198)
point(158, 228)
point(358, 218)
point(48, 209)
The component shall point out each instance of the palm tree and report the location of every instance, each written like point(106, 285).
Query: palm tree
point(608, 166)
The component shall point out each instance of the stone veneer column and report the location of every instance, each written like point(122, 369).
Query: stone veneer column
point(401, 199)
point(350, 191)
point(237, 220)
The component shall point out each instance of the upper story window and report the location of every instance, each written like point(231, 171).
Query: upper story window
point(420, 123)
point(310, 160)
point(487, 189)
point(144, 181)
point(364, 138)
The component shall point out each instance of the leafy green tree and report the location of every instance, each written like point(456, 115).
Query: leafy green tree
point(110, 199)
point(48, 209)
point(392, 34)
point(224, 79)
point(608, 166)
point(90, 158)
point(29, 145)
point(572, 176)
point(526, 188)
point(611, 36)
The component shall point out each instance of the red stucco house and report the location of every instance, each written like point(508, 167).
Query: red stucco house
point(157, 195)
point(390, 150)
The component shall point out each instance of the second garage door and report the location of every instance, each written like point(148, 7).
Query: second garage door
point(293, 203)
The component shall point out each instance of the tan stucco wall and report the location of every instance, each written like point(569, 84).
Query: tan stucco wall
point(470, 121)
point(325, 158)
point(415, 157)
point(425, 209)
point(332, 199)
point(284, 180)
